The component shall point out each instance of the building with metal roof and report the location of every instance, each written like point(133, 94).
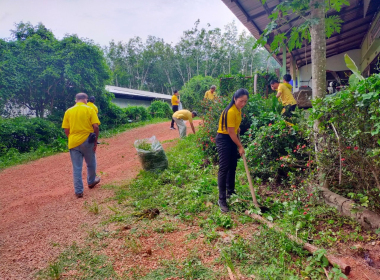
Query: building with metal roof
point(359, 37)
point(125, 97)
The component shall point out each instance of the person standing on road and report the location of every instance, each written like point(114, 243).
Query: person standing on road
point(175, 103)
point(210, 94)
point(179, 118)
point(81, 125)
point(228, 145)
point(91, 103)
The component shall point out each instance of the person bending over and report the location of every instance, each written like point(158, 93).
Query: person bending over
point(184, 115)
point(285, 96)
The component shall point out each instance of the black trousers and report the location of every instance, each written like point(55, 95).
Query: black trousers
point(175, 109)
point(289, 109)
point(228, 156)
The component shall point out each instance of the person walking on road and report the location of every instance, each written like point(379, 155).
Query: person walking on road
point(179, 118)
point(81, 125)
point(91, 103)
point(228, 145)
point(175, 103)
point(210, 94)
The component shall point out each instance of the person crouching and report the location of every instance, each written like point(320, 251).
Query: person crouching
point(184, 115)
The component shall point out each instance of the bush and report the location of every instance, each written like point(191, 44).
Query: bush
point(112, 115)
point(137, 113)
point(160, 109)
point(353, 115)
point(193, 92)
point(26, 134)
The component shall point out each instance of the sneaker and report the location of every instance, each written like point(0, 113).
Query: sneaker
point(223, 206)
point(79, 195)
point(172, 128)
point(98, 143)
point(97, 181)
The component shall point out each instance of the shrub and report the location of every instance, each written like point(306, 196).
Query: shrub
point(160, 109)
point(353, 115)
point(26, 134)
point(137, 113)
point(193, 92)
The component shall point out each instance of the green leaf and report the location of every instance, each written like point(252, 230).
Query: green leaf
point(352, 66)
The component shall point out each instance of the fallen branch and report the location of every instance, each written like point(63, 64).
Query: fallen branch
point(311, 248)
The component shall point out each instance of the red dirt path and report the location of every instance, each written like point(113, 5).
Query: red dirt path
point(39, 214)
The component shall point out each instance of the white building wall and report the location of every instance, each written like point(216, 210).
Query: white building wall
point(333, 63)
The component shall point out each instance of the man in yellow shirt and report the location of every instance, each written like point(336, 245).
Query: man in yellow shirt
point(285, 96)
point(91, 103)
point(179, 118)
point(81, 125)
point(175, 103)
point(210, 94)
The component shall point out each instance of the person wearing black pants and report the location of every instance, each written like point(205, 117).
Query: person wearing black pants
point(175, 103)
point(228, 146)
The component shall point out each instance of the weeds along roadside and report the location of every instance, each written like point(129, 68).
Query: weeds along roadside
point(186, 196)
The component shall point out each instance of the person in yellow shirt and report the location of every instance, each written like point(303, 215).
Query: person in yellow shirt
point(91, 103)
point(228, 145)
point(210, 94)
point(179, 118)
point(175, 103)
point(81, 125)
point(284, 95)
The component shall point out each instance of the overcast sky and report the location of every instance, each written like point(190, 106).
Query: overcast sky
point(104, 20)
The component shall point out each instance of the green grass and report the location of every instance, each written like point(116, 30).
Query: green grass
point(84, 263)
point(186, 195)
point(13, 157)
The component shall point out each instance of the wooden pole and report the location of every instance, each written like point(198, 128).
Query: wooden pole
point(311, 248)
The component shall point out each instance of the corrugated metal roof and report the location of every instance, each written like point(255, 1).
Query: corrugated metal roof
point(135, 92)
point(356, 22)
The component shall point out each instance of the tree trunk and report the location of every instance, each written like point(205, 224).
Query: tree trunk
point(318, 60)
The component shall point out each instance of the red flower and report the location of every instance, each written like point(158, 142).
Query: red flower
point(348, 147)
point(303, 146)
point(286, 193)
point(271, 136)
point(298, 146)
point(250, 135)
point(280, 157)
point(270, 124)
point(293, 186)
point(294, 151)
point(282, 165)
point(343, 159)
point(304, 213)
point(255, 144)
point(356, 148)
point(262, 163)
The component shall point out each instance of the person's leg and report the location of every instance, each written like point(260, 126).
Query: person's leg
point(90, 158)
point(175, 109)
point(77, 162)
point(182, 128)
point(232, 170)
point(224, 153)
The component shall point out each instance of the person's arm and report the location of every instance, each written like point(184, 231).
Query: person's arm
point(96, 131)
point(192, 127)
point(232, 134)
point(278, 94)
point(67, 132)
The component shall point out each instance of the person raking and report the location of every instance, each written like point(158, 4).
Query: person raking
point(81, 125)
point(228, 146)
point(184, 115)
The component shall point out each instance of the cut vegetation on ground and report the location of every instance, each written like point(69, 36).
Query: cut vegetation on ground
point(168, 226)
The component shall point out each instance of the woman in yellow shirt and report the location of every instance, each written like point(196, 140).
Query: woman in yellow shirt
point(228, 146)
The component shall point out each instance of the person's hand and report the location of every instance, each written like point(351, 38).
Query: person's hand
point(239, 130)
point(241, 151)
point(95, 145)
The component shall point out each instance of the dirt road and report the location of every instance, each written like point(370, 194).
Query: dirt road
point(39, 214)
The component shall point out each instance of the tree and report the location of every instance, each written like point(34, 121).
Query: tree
point(44, 74)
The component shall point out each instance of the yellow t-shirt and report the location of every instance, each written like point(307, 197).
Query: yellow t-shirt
point(175, 100)
point(233, 120)
point(184, 115)
point(209, 95)
point(93, 106)
point(286, 96)
point(79, 119)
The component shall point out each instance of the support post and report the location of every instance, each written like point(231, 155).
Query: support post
point(283, 61)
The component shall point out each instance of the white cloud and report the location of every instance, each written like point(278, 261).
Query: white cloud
point(119, 20)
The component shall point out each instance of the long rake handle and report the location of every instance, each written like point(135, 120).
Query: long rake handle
point(250, 183)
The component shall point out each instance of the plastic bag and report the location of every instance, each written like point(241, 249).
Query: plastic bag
point(151, 154)
point(180, 106)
